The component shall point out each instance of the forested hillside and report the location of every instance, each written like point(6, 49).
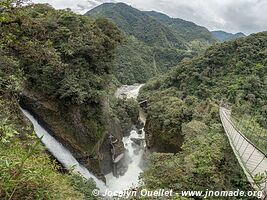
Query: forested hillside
point(153, 45)
point(196, 37)
point(138, 24)
point(183, 114)
point(63, 67)
point(59, 61)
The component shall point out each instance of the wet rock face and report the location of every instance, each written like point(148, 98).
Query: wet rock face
point(114, 129)
point(82, 130)
point(138, 141)
point(140, 125)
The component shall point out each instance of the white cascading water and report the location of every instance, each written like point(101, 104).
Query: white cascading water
point(133, 151)
point(128, 91)
point(130, 178)
point(62, 154)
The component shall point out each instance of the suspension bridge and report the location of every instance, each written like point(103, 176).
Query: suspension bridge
point(252, 160)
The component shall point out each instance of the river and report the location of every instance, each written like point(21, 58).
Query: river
point(134, 152)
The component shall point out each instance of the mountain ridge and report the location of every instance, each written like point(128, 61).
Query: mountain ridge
point(150, 40)
point(225, 36)
point(135, 22)
point(186, 26)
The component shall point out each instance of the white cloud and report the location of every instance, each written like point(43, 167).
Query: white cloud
point(230, 15)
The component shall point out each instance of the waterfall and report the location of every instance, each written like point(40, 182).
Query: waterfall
point(131, 177)
point(62, 154)
point(134, 152)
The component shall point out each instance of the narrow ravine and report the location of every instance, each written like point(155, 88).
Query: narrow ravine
point(134, 145)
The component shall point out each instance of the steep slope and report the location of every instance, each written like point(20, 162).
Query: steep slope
point(153, 47)
point(183, 114)
point(136, 23)
point(224, 36)
point(28, 56)
point(193, 34)
point(56, 64)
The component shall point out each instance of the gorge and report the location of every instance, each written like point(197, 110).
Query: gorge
point(127, 167)
point(79, 81)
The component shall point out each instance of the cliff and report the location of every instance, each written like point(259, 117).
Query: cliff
point(83, 129)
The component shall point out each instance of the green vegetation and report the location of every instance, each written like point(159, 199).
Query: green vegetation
point(84, 186)
point(196, 37)
point(26, 172)
point(136, 23)
point(252, 130)
point(155, 42)
point(127, 112)
point(65, 59)
point(62, 61)
point(183, 106)
point(224, 36)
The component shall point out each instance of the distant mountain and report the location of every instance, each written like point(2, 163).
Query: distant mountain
point(156, 42)
point(138, 24)
point(224, 36)
point(187, 30)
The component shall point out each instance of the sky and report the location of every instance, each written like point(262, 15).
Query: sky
point(247, 16)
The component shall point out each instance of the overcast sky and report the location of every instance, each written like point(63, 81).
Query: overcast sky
point(247, 16)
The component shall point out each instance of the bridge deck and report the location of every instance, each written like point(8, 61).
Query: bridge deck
point(251, 159)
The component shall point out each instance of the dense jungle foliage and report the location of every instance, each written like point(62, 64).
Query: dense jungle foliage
point(58, 51)
point(183, 107)
point(188, 31)
point(67, 58)
point(155, 42)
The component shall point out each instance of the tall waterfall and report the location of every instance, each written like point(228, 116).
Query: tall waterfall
point(134, 152)
point(62, 154)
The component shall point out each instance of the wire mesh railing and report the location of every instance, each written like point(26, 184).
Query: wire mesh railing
point(250, 157)
point(251, 129)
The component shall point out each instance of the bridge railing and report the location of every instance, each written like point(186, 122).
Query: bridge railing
point(251, 159)
point(256, 134)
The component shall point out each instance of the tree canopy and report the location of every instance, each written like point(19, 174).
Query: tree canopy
point(183, 106)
